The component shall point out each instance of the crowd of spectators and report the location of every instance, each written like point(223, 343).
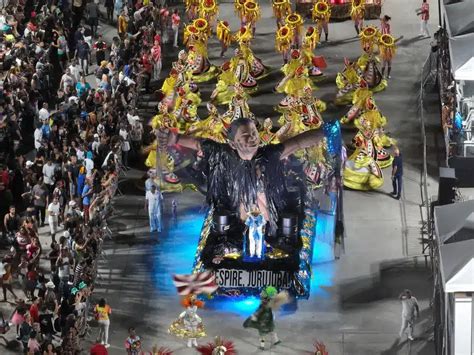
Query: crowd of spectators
point(63, 145)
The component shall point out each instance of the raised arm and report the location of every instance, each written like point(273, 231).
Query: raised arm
point(167, 137)
point(301, 141)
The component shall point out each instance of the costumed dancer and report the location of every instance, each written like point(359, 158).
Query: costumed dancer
point(311, 108)
point(238, 107)
point(313, 63)
point(283, 40)
point(188, 324)
point(186, 106)
point(224, 91)
point(224, 36)
point(367, 62)
point(158, 156)
point(192, 7)
point(178, 77)
point(243, 37)
point(360, 100)
point(218, 347)
point(291, 123)
point(321, 15)
point(208, 9)
point(255, 223)
point(213, 127)
point(281, 9)
point(361, 170)
point(347, 82)
point(266, 134)
point(295, 22)
point(196, 36)
point(316, 167)
point(320, 349)
point(358, 14)
point(250, 15)
point(387, 50)
point(263, 319)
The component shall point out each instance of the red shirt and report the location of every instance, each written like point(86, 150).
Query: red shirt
point(99, 349)
point(175, 20)
point(156, 53)
point(34, 313)
point(425, 11)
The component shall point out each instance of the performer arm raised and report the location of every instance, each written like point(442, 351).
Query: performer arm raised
point(301, 141)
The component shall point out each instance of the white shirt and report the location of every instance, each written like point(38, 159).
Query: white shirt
point(89, 166)
point(76, 71)
point(79, 154)
point(53, 210)
point(43, 114)
point(48, 174)
point(153, 199)
point(38, 137)
point(408, 307)
point(95, 146)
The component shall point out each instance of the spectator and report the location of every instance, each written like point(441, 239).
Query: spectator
point(40, 198)
point(409, 307)
point(397, 173)
point(92, 10)
point(53, 217)
point(102, 312)
point(175, 22)
point(11, 222)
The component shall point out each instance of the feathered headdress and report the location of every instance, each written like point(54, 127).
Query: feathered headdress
point(311, 38)
point(208, 9)
point(218, 347)
point(283, 39)
point(369, 36)
point(320, 349)
point(357, 9)
point(223, 32)
point(251, 11)
point(294, 21)
point(321, 11)
point(244, 35)
point(281, 8)
point(387, 47)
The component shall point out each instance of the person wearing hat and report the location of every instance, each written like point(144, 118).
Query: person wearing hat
point(262, 319)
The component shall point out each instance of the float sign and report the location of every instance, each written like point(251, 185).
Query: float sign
point(253, 279)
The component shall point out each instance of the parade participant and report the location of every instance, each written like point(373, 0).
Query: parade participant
point(295, 22)
point(263, 319)
point(133, 344)
point(241, 70)
point(153, 201)
point(250, 15)
point(195, 38)
point(321, 15)
point(224, 91)
point(359, 102)
point(213, 127)
point(175, 22)
point(358, 14)
point(189, 325)
point(266, 134)
point(208, 10)
point(361, 170)
point(367, 62)
point(255, 225)
point(224, 36)
point(347, 82)
point(229, 165)
point(281, 9)
point(238, 107)
point(387, 52)
point(385, 25)
point(186, 106)
point(254, 64)
point(283, 40)
point(313, 63)
point(192, 7)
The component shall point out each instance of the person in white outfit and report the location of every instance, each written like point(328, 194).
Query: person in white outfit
point(409, 307)
point(53, 217)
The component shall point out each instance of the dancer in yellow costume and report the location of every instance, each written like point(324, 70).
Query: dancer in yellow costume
point(186, 106)
point(243, 38)
point(179, 76)
point(310, 109)
point(281, 9)
point(368, 61)
point(192, 8)
point(250, 15)
point(283, 40)
point(347, 82)
point(312, 62)
point(195, 37)
point(224, 35)
point(387, 50)
point(266, 134)
point(358, 14)
point(163, 120)
point(238, 107)
point(316, 167)
point(208, 10)
point(224, 91)
point(361, 170)
point(295, 22)
point(291, 123)
point(321, 15)
point(359, 102)
point(213, 127)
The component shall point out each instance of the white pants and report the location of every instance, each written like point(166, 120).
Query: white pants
point(53, 224)
point(157, 70)
point(407, 324)
point(424, 28)
point(175, 33)
point(104, 331)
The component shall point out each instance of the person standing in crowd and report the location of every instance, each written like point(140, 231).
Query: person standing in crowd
point(122, 24)
point(424, 12)
point(87, 192)
point(153, 199)
point(175, 22)
point(92, 10)
point(109, 6)
point(49, 175)
point(83, 53)
point(397, 173)
point(53, 217)
point(38, 138)
point(156, 58)
point(11, 222)
point(409, 307)
point(100, 47)
point(102, 313)
point(40, 199)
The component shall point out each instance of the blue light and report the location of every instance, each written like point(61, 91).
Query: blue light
point(243, 306)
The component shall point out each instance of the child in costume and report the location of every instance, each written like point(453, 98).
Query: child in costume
point(263, 319)
point(133, 344)
point(189, 324)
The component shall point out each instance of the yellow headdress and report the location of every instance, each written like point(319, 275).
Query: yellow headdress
point(223, 32)
point(369, 36)
point(191, 3)
point(239, 6)
point(294, 21)
point(208, 9)
point(387, 47)
point(321, 11)
point(311, 38)
point(357, 9)
point(244, 35)
point(283, 38)
point(281, 8)
point(251, 11)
